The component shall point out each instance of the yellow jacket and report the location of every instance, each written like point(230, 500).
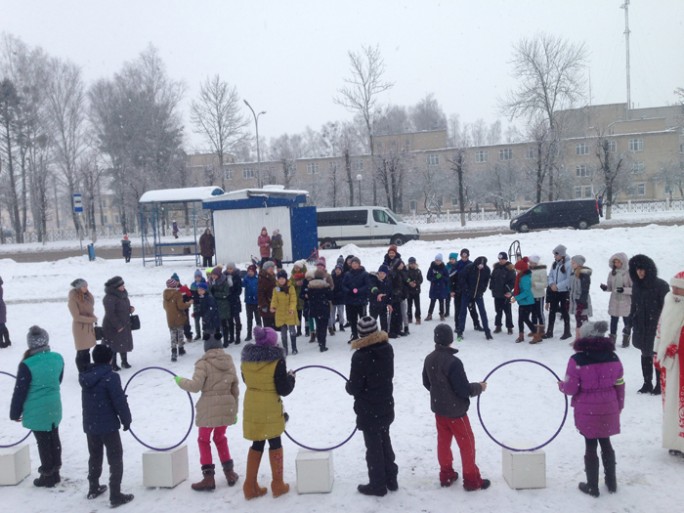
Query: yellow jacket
point(285, 305)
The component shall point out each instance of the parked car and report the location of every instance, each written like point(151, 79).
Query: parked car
point(579, 214)
point(362, 225)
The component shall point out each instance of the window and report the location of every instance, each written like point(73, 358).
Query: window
point(381, 216)
point(641, 189)
point(582, 149)
point(588, 193)
point(612, 146)
point(638, 167)
point(481, 156)
point(312, 168)
point(357, 165)
point(342, 218)
point(578, 192)
point(247, 173)
point(104, 219)
point(332, 166)
point(433, 160)
point(582, 171)
point(636, 145)
point(454, 201)
point(227, 174)
point(505, 154)
point(413, 205)
point(531, 153)
point(681, 148)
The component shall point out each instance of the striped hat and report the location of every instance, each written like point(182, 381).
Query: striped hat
point(366, 326)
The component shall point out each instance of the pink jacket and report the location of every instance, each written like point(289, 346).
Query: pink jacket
point(264, 242)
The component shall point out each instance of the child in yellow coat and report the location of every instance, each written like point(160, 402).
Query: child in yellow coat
point(284, 305)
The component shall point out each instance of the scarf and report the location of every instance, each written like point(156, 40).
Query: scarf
point(516, 288)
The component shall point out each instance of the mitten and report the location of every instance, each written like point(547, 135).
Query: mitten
point(177, 379)
point(671, 350)
point(205, 336)
point(619, 290)
point(374, 290)
point(604, 287)
point(355, 291)
point(126, 427)
point(218, 335)
point(438, 276)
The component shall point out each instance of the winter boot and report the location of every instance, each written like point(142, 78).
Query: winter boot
point(417, 320)
point(312, 339)
point(613, 337)
point(368, 489)
point(441, 317)
point(538, 335)
point(278, 486)
point(306, 330)
point(656, 388)
point(509, 331)
point(488, 335)
point(625, 339)
point(238, 334)
point(647, 371)
point(591, 468)
point(251, 487)
point(478, 327)
point(341, 328)
point(331, 331)
point(207, 483)
point(447, 477)
point(406, 331)
point(124, 361)
point(322, 348)
point(497, 329)
point(521, 337)
point(181, 350)
point(428, 317)
point(231, 475)
point(174, 354)
point(609, 470)
point(95, 490)
point(120, 499)
point(115, 367)
point(46, 479)
point(566, 332)
point(549, 329)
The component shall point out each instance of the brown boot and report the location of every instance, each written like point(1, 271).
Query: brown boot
point(207, 483)
point(521, 337)
point(251, 488)
point(278, 487)
point(417, 321)
point(429, 317)
point(231, 475)
point(538, 335)
point(625, 339)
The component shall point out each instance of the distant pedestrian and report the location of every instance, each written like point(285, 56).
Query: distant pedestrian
point(277, 248)
point(619, 284)
point(81, 304)
point(264, 242)
point(174, 229)
point(126, 248)
point(4, 333)
point(207, 244)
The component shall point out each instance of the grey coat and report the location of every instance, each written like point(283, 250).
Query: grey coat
point(620, 303)
point(3, 307)
point(117, 316)
point(580, 281)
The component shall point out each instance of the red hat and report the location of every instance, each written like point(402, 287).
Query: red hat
point(393, 247)
point(522, 265)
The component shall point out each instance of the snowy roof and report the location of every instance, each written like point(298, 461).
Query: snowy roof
point(179, 195)
point(268, 191)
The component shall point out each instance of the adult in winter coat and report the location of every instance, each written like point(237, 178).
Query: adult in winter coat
point(263, 418)
point(207, 244)
point(539, 284)
point(594, 379)
point(105, 410)
point(37, 404)
point(414, 279)
point(522, 294)
point(176, 315)
point(277, 248)
point(580, 299)
point(356, 287)
point(558, 291)
point(116, 325)
point(264, 243)
point(457, 285)
point(669, 348)
point(392, 256)
point(474, 282)
point(439, 286)
point(450, 393)
point(4, 333)
point(217, 408)
point(648, 298)
point(81, 305)
point(126, 250)
point(370, 382)
point(234, 292)
point(338, 297)
point(619, 284)
point(250, 283)
point(220, 289)
point(319, 296)
point(501, 284)
point(297, 278)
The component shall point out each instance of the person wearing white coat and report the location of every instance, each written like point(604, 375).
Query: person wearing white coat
point(619, 284)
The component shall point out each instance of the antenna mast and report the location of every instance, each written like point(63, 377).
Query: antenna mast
point(625, 6)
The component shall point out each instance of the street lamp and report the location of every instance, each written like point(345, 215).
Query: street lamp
point(359, 177)
point(256, 124)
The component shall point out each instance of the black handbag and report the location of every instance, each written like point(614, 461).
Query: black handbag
point(99, 332)
point(135, 322)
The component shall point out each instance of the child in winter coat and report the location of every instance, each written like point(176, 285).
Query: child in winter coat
point(594, 379)
point(501, 284)
point(208, 313)
point(318, 295)
point(397, 279)
point(37, 404)
point(522, 294)
point(251, 304)
point(474, 279)
point(338, 297)
point(558, 291)
point(175, 309)
point(619, 284)
point(234, 292)
point(450, 393)
point(220, 289)
point(197, 279)
point(380, 294)
point(265, 287)
point(284, 306)
point(215, 376)
point(580, 300)
point(297, 281)
point(414, 281)
point(539, 284)
point(105, 410)
point(439, 286)
point(186, 292)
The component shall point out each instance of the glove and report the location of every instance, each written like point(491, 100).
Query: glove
point(374, 290)
point(671, 350)
point(438, 276)
point(619, 290)
point(604, 287)
point(218, 335)
point(206, 336)
point(177, 379)
point(126, 427)
point(194, 315)
point(264, 309)
point(355, 291)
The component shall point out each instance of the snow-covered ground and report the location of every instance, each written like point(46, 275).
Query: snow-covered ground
point(521, 407)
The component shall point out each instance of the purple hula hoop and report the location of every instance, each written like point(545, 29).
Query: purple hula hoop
point(565, 414)
point(192, 416)
point(27, 434)
point(322, 449)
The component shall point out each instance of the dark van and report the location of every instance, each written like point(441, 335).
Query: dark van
point(558, 214)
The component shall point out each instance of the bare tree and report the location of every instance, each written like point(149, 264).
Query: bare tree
point(9, 118)
point(361, 90)
point(610, 165)
point(427, 114)
point(458, 166)
point(216, 116)
point(672, 175)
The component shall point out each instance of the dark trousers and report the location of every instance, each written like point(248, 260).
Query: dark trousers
point(614, 324)
point(447, 305)
point(591, 445)
point(187, 330)
point(82, 359)
point(466, 304)
point(354, 313)
point(396, 322)
point(470, 304)
point(558, 302)
point(207, 261)
point(380, 457)
point(225, 332)
point(268, 321)
point(198, 322)
point(4, 335)
point(96, 444)
point(322, 328)
point(502, 306)
point(379, 310)
point(234, 325)
point(413, 301)
point(524, 318)
point(253, 317)
point(49, 451)
point(538, 316)
point(431, 308)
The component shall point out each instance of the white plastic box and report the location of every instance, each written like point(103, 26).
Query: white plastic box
point(524, 470)
point(314, 471)
point(15, 464)
point(165, 469)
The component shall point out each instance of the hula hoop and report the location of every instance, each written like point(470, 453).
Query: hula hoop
point(322, 449)
point(565, 414)
point(29, 431)
point(192, 416)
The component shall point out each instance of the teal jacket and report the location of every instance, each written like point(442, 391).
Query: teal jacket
point(36, 399)
point(525, 297)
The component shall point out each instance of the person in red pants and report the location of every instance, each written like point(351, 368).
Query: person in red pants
point(450, 393)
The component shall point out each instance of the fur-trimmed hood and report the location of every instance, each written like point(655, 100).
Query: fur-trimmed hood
point(622, 257)
point(255, 353)
point(594, 345)
point(374, 338)
point(318, 283)
point(583, 270)
point(646, 263)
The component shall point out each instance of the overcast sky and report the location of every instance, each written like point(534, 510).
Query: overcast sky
point(289, 57)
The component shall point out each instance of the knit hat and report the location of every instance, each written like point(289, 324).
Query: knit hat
point(393, 247)
point(596, 329)
point(578, 259)
point(453, 255)
point(439, 258)
point(102, 354)
point(114, 282)
point(465, 251)
point(265, 336)
point(383, 269)
point(321, 261)
point(268, 265)
point(252, 268)
point(503, 255)
point(217, 271)
point(678, 280)
point(37, 337)
point(203, 285)
point(213, 342)
point(299, 263)
point(522, 265)
point(175, 276)
point(534, 259)
point(444, 335)
point(319, 274)
point(171, 283)
point(366, 326)
point(412, 260)
point(230, 265)
point(198, 273)
point(340, 260)
point(356, 259)
point(560, 250)
point(282, 274)
point(78, 283)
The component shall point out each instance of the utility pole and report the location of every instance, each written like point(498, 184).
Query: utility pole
point(625, 6)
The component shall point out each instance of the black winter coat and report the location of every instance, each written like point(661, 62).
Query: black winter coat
point(370, 381)
point(648, 297)
point(338, 293)
point(209, 312)
point(234, 293)
point(103, 400)
point(379, 287)
point(502, 279)
point(398, 279)
point(318, 295)
point(413, 276)
point(356, 279)
point(475, 280)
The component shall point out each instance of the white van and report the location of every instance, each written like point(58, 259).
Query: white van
point(362, 225)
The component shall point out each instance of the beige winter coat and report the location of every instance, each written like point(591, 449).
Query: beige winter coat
point(215, 376)
point(539, 281)
point(82, 309)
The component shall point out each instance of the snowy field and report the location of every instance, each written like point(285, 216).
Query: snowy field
point(521, 407)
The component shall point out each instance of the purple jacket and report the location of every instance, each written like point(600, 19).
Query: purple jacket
point(594, 379)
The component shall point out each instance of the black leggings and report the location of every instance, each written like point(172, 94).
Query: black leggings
point(273, 444)
point(591, 445)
